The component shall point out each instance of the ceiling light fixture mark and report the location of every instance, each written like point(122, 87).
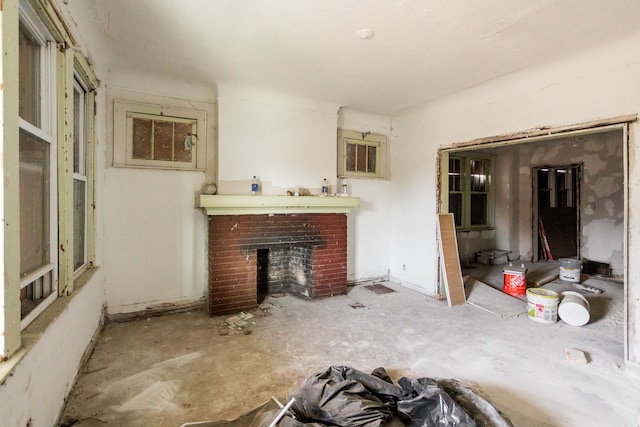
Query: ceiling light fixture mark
point(365, 33)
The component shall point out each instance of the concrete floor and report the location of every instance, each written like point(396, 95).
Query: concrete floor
point(173, 369)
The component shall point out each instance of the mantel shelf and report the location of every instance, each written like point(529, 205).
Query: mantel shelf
point(262, 205)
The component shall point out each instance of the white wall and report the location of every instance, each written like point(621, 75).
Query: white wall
point(155, 239)
point(595, 84)
point(35, 394)
point(369, 225)
point(291, 142)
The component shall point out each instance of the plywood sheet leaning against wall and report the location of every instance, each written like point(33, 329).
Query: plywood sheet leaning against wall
point(449, 260)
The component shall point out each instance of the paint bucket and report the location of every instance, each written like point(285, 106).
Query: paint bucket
point(542, 305)
point(574, 309)
point(570, 269)
point(515, 282)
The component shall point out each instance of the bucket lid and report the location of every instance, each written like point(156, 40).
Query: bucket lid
point(576, 294)
point(544, 293)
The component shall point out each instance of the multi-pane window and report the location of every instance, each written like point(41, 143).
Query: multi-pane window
point(162, 138)
point(362, 154)
point(469, 191)
point(37, 159)
point(154, 136)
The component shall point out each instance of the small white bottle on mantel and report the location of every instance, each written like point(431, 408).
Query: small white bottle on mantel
point(255, 186)
point(325, 187)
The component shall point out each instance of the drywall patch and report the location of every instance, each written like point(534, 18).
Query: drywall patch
point(597, 237)
point(594, 164)
point(605, 187)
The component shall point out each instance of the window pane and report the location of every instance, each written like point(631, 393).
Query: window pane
point(29, 79)
point(33, 294)
point(182, 150)
point(478, 209)
point(478, 172)
point(78, 128)
point(455, 207)
point(142, 139)
point(351, 157)
point(79, 223)
point(371, 159)
point(34, 203)
point(454, 175)
point(163, 140)
point(361, 158)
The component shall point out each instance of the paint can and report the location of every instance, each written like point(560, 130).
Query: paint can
point(515, 282)
point(570, 269)
point(574, 309)
point(542, 305)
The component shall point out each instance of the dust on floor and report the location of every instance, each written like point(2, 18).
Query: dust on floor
point(169, 370)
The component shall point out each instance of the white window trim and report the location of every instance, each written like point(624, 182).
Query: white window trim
point(123, 112)
point(46, 132)
point(368, 138)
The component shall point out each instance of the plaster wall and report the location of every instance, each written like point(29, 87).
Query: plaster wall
point(601, 197)
point(593, 84)
point(35, 394)
point(369, 224)
point(155, 238)
point(290, 143)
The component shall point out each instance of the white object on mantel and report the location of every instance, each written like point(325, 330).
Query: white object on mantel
point(262, 205)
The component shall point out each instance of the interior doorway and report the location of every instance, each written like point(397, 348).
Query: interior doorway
point(556, 211)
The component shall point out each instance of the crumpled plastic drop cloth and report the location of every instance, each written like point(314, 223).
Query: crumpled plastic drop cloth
point(343, 396)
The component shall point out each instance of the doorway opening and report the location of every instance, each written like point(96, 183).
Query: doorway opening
point(556, 211)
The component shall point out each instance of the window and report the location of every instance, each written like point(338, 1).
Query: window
point(79, 176)
point(37, 172)
point(159, 137)
point(362, 154)
point(469, 191)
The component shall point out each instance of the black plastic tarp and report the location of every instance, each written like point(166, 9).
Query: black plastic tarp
point(343, 396)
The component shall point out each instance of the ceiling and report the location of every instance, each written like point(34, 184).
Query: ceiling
point(420, 49)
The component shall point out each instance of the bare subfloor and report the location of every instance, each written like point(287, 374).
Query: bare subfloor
point(174, 369)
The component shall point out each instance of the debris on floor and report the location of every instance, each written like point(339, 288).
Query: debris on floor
point(356, 305)
point(494, 257)
point(240, 321)
point(576, 356)
point(378, 289)
point(341, 395)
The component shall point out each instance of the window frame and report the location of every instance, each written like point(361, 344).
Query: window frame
point(125, 111)
point(84, 168)
point(369, 139)
point(45, 131)
point(466, 191)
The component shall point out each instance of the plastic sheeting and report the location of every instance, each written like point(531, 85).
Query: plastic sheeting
point(343, 396)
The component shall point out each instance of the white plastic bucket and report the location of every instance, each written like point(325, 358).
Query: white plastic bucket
point(542, 305)
point(574, 309)
point(570, 269)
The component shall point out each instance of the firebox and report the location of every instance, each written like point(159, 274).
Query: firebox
point(252, 256)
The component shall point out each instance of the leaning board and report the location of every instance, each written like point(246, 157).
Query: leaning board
point(449, 260)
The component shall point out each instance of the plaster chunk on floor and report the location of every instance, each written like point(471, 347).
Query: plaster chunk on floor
point(576, 356)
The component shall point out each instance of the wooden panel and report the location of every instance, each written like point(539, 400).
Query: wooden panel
point(450, 261)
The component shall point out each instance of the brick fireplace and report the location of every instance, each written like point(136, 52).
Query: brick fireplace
point(256, 250)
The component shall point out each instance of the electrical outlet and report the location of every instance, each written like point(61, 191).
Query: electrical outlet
point(404, 267)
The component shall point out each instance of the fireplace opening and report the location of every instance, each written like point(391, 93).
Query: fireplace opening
point(262, 268)
point(254, 256)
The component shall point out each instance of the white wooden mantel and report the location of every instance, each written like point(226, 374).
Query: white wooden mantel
point(263, 205)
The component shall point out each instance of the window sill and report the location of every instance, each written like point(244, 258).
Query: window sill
point(32, 333)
